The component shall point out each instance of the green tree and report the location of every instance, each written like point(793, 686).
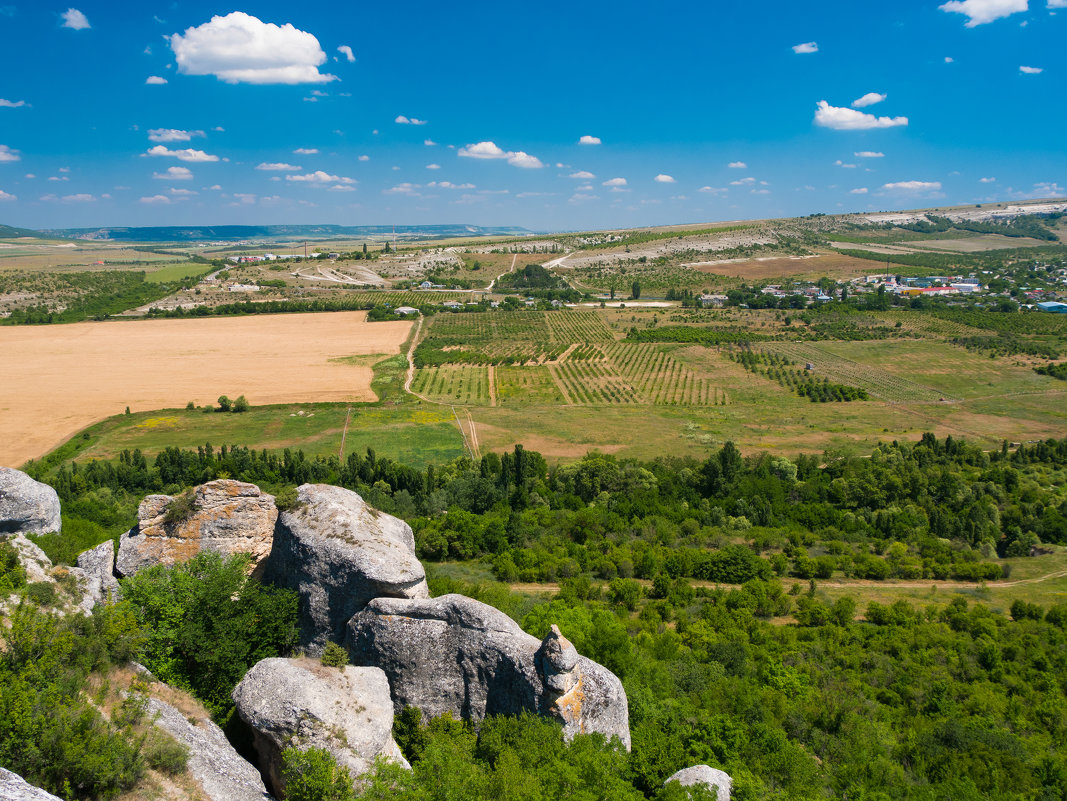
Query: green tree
point(225, 404)
point(241, 404)
point(635, 290)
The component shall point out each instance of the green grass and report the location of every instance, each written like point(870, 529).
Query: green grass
point(171, 273)
point(527, 386)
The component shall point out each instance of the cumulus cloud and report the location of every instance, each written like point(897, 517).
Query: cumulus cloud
point(490, 150)
point(582, 175)
point(912, 187)
point(847, 119)
point(806, 47)
point(185, 154)
point(174, 174)
point(949, 59)
point(1032, 70)
point(171, 135)
point(737, 165)
point(433, 166)
point(73, 18)
point(183, 192)
point(450, 185)
point(364, 158)
point(319, 177)
point(840, 163)
point(986, 180)
point(868, 99)
point(405, 188)
point(278, 166)
point(589, 140)
point(5, 196)
point(664, 179)
point(11, 103)
point(81, 197)
point(859, 191)
point(868, 154)
point(615, 182)
point(306, 151)
point(743, 181)
point(7, 154)
point(155, 80)
point(714, 190)
point(579, 197)
point(155, 200)
point(346, 51)
point(1057, 3)
point(240, 48)
point(402, 120)
point(979, 12)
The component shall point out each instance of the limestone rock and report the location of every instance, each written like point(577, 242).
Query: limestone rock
point(36, 563)
point(710, 777)
point(454, 654)
point(338, 553)
point(14, 788)
point(26, 506)
point(97, 565)
point(219, 770)
point(228, 517)
point(302, 703)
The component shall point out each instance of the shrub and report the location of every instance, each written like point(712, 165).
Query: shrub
point(333, 655)
point(313, 775)
point(42, 593)
point(165, 754)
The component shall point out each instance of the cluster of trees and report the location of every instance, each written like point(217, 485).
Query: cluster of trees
point(1053, 369)
point(532, 276)
point(778, 368)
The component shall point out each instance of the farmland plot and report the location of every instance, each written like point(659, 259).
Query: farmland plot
point(596, 382)
point(464, 384)
point(526, 386)
point(581, 327)
point(877, 382)
point(662, 379)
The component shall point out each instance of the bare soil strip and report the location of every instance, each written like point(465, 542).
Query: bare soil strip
point(57, 379)
point(559, 385)
point(492, 385)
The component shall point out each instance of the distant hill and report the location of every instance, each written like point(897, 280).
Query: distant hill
point(214, 233)
point(8, 232)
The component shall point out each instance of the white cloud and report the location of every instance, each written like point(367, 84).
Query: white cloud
point(278, 166)
point(714, 190)
point(58, 178)
point(402, 120)
point(5, 196)
point(949, 59)
point(155, 80)
point(860, 191)
point(219, 129)
point(869, 154)
point(73, 18)
point(737, 165)
point(615, 182)
point(912, 187)
point(979, 12)
point(429, 142)
point(579, 197)
point(341, 188)
point(185, 154)
point(589, 140)
point(847, 119)
point(450, 185)
point(240, 48)
point(346, 51)
point(306, 151)
point(761, 191)
point(364, 158)
point(183, 192)
point(840, 163)
point(582, 175)
point(245, 198)
point(584, 188)
point(1057, 3)
point(171, 135)
point(433, 166)
point(403, 189)
point(868, 99)
point(489, 150)
point(81, 197)
point(174, 174)
point(11, 103)
point(986, 180)
point(160, 200)
point(664, 179)
point(1032, 70)
point(320, 177)
point(806, 47)
point(743, 181)
point(7, 154)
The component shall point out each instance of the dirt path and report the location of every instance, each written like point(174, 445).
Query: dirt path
point(492, 385)
point(511, 269)
point(476, 449)
point(411, 361)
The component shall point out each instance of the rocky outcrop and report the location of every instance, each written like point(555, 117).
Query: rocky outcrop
point(709, 777)
point(26, 506)
point(339, 554)
point(219, 770)
point(301, 703)
point(34, 561)
point(224, 516)
point(14, 788)
point(97, 566)
point(454, 654)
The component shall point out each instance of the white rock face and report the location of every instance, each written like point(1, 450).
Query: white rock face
point(36, 563)
point(14, 788)
point(338, 553)
point(228, 517)
point(709, 777)
point(97, 565)
point(219, 770)
point(26, 506)
point(300, 702)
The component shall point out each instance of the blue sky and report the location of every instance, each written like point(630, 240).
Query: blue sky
point(552, 116)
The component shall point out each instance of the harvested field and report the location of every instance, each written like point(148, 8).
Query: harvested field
point(58, 379)
point(831, 265)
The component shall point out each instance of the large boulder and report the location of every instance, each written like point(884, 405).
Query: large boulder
point(34, 561)
point(219, 770)
point(302, 703)
point(338, 553)
point(97, 565)
point(14, 788)
point(26, 506)
point(224, 516)
point(709, 777)
point(454, 654)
